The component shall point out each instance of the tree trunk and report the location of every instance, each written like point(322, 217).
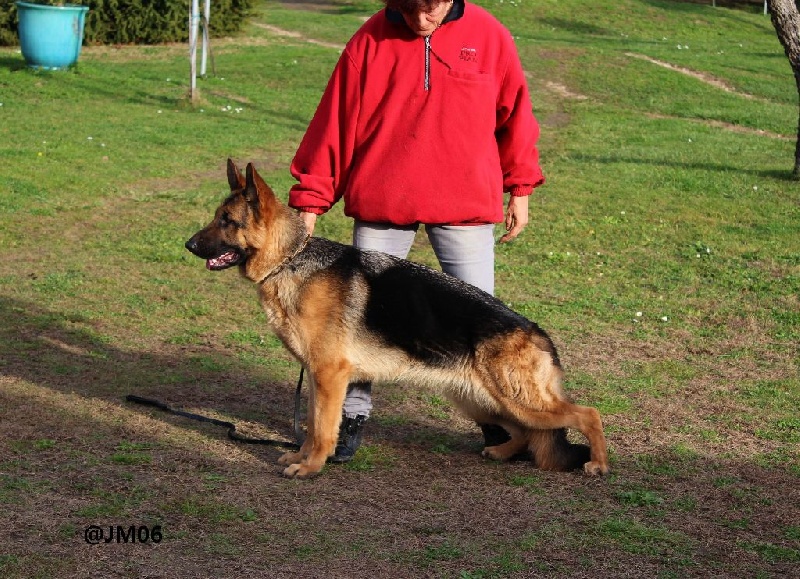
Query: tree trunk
point(786, 20)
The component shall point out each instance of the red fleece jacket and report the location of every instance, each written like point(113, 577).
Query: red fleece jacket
point(421, 130)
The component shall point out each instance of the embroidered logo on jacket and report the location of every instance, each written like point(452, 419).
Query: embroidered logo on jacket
point(468, 55)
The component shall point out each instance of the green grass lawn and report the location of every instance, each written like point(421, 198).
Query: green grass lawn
point(663, 257)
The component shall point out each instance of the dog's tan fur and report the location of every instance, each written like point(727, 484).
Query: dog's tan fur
point(323, 316)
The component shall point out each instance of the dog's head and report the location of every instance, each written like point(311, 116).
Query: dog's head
point(239, 224)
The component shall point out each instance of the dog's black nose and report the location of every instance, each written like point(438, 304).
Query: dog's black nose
point(191, 245)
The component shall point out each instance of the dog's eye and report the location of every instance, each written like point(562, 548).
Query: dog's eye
point(225, 220)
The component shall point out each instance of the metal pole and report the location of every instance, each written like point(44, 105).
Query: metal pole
point(194, 20)
point(206, 16)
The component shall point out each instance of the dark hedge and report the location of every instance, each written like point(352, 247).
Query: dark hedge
point(137, 21)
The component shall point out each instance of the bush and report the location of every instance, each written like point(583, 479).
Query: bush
point(137, 21)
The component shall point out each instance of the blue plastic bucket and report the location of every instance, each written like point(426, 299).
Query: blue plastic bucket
point(50, 36)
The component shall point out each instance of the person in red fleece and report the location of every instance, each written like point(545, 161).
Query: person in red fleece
point(426, 119)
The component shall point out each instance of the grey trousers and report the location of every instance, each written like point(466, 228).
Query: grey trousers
point(466, 252)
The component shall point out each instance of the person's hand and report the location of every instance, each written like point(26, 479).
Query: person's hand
point(310, 219)
point(516, 217)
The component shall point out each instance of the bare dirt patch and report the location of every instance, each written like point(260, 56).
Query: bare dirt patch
point(564, 92)
point(727, 126)
point(296, 35)
point(423, 503)
point(706, 78)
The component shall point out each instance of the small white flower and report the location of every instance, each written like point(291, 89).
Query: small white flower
point(159, 112)
point(690, 140)
point(638, 314)
point(755, 187)
point(664, 319)
point(88, 138)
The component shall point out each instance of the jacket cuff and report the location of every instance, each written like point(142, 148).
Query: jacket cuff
point(520, 190)
point(314, 210)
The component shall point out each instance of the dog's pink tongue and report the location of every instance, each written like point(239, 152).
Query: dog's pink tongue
point(221, 261)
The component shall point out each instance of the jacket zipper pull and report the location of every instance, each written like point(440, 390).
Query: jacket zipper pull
point(427, 83)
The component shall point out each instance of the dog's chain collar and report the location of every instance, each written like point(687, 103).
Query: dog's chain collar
point(286, 260)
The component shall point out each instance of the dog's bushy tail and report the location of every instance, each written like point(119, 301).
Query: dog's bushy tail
point(552, 451)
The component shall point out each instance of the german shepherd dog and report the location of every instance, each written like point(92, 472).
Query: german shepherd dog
point(349, 315)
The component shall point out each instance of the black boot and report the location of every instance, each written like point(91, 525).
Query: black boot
point(494, 434)
point(349, 439)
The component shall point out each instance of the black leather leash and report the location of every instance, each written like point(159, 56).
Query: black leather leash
point(232, 434)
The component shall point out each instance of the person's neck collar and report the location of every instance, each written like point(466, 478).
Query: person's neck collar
point(456, 12)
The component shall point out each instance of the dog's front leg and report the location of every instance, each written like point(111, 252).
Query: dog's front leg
point(305, 449)
point(324, 418)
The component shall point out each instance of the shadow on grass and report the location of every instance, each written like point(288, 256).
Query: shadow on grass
point(12, 64)
point(324, 6)
point(715, 167)
point(61, 353)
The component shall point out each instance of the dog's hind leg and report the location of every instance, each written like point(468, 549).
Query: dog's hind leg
point(551, 450)
point(523, 375)
point(567, 415)
point(325, 414)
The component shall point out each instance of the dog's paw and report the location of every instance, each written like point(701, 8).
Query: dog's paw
point(594, 468)
point(290, 458)
point(301, 471)
point(492, 453)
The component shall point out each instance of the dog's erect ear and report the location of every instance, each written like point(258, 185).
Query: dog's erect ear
point(256, 189)
point(235, 179)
